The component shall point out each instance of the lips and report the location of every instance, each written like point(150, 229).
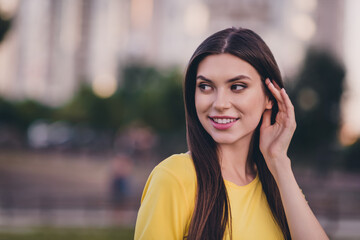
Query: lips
point(222, 122)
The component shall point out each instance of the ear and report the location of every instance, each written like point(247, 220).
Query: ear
point(269, 103)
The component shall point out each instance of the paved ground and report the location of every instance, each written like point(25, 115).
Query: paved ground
point(20, 220)
point(74, 190)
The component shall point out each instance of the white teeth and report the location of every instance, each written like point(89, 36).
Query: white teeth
point(224, 120)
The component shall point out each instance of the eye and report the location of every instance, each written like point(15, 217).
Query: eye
point(237, 87)
point(204, 87)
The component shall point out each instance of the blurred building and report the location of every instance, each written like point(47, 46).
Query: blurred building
point(55, 45)
point(38, 57)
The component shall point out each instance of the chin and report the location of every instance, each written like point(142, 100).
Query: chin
point(224, 140)
point(231, 138)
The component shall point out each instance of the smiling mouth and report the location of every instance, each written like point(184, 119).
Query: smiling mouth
point(223, 120)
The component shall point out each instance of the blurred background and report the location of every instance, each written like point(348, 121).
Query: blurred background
point(91, 101)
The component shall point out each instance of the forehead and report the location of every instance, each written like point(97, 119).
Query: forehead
point(225, 66)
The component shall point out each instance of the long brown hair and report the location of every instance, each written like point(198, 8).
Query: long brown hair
point(212, 214)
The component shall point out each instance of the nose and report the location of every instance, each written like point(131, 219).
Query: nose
point(222, 101)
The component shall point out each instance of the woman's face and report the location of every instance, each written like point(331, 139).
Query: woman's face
point(229, 98)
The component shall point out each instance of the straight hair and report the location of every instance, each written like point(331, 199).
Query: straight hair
point(212, 214)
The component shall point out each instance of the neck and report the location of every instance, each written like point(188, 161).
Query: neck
point(234, 162)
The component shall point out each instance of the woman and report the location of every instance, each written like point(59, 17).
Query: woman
point(236, 181)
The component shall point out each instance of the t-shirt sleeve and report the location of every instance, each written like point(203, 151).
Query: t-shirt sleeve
point(164, 211)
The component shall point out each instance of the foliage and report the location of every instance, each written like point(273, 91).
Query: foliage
point(316, 97)
point(146, 95)
point(352, 157)
point(88, 109)
point(153, 98)
point(5, 25)
point(7, 112)
point(21, 114)
point(28, 111)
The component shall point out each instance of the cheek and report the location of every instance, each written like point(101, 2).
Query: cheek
point(253, 106)
point(259, 110)
point(202, 103)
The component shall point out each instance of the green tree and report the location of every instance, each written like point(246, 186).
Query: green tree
point(88, 109)
point(5, 25)
point(7, 112)
point(28, 111)
point(153, 98)
point(352, 156)
point(316, 96)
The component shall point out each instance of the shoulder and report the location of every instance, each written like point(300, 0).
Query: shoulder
point(174, 174)
point(177, 167)
point(178, 164)
point(168, 199)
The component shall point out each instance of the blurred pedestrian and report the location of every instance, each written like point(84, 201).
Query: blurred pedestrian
point(121, 168)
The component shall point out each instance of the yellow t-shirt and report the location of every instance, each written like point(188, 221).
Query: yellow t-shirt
point(168, 201)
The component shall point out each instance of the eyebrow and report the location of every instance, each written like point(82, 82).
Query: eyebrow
point(239, 77)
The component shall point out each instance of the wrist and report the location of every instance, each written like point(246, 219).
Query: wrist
point(279, 167)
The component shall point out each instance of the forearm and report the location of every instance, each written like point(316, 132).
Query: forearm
point(302, 221)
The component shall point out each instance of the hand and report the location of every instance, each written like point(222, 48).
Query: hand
point(275, 139)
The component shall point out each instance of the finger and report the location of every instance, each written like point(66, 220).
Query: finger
point(288, 104)
point(266, 121)
point(276, 93)
point(276, 85)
